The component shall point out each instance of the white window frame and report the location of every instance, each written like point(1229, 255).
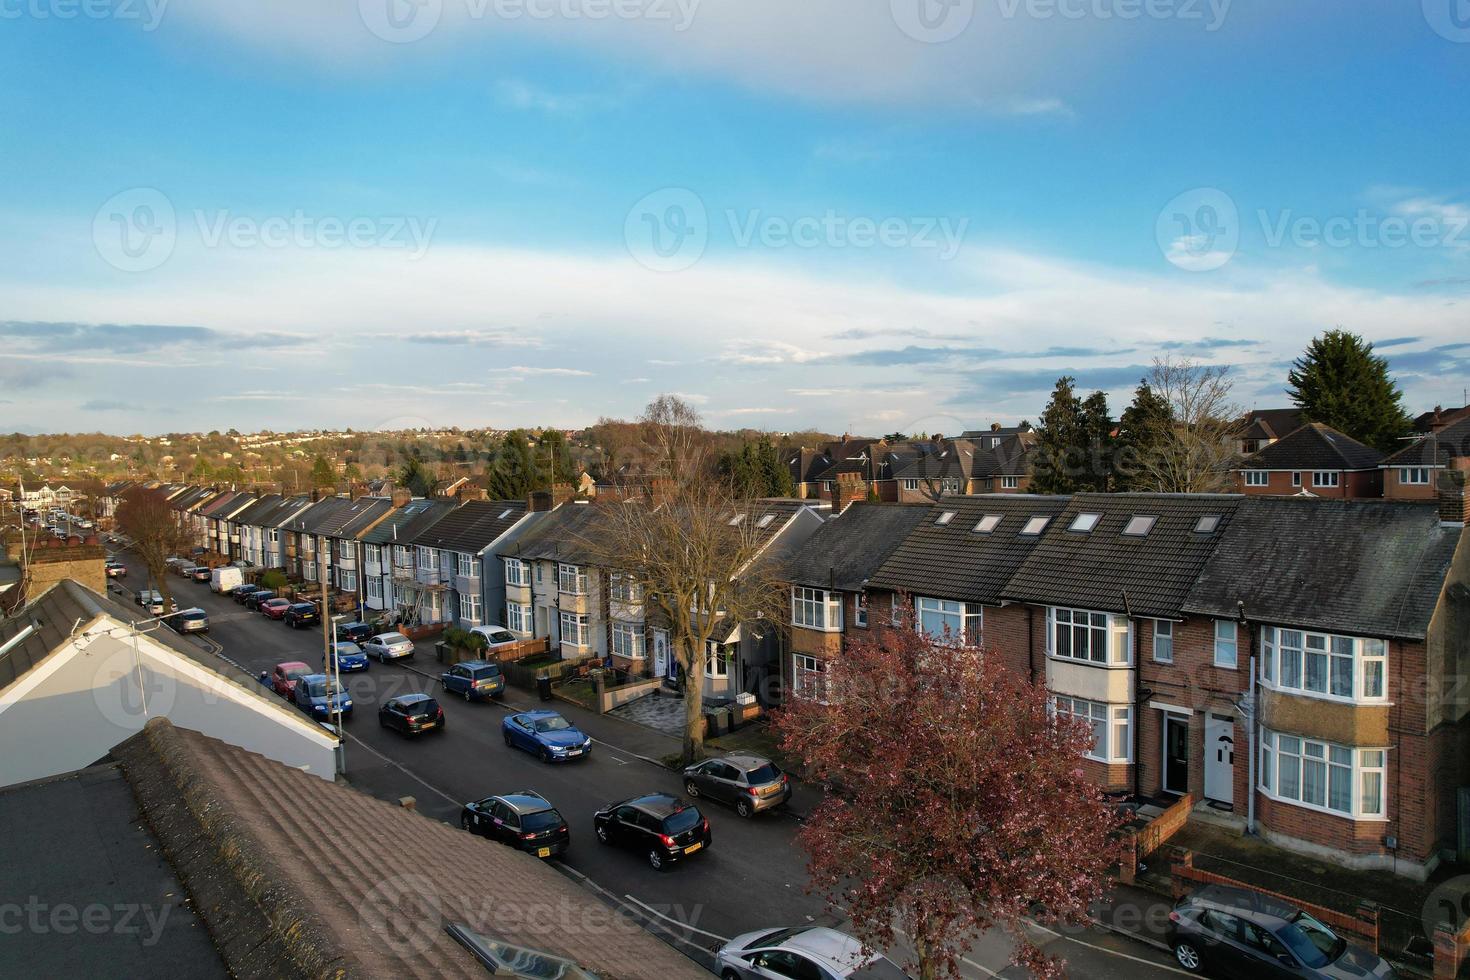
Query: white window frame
point(1116, 630)
point(1111, 723)
point(516, 572)
point(628, 641)
point(809, 678)
point(1164, 641)
point(344, 548)
point(470, 608)
point(860, 609)
point(466, 566)
point(426, 559)
point(1258, 478)
point(1296, 478)
point(965, 620)
point(519, 617)
point(372, 553)
point(275, 536)
point(347, 579)
point(910, 484)
point(716, 664)
point(1227, 648)
point(578, 629)
point(571, 579)
point(816, 609)
point(375, 588)
point(1286, 664)
point(624, 588)
point(1327, 479)
point(1010, 483)
point(1414, 476)
point(1294, 754)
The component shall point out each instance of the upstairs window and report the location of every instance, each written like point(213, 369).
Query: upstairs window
point(816, 609)
point(1227, 643)
point(1344, 668)
point(571, 579)
point(1084, 523)
point(1164, 641)
point(945, 517)
point(1139, 525)
point(1091, 637)
point(466, 566)
point(1036, 525)
point(515, 572)
point(948, 620)
point(1010, 483)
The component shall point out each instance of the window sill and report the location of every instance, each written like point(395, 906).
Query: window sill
point(1321, 809)
point(817, 629)
point(1089, 663)
point(1297, 692)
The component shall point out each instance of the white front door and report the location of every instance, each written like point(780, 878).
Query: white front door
point(1220, 759)
point(660, 653)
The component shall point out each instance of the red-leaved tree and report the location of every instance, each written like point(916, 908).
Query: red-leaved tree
point(957, 799)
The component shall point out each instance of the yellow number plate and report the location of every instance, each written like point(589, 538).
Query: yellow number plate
point(543, 852)
point(692, 848)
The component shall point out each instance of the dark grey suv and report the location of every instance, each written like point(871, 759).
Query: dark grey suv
point(747, 782)
point(1232, 932)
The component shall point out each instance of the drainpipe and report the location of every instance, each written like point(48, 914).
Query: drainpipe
point(1031, 641)
point(1137, 707)
point(1253, 714)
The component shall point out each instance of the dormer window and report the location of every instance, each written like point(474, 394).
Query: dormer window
point(988, 523)
point(1084, 523)
point(1139, 525)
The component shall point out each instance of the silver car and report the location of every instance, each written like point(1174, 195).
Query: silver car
point(388, 646)
point(749, 783)
point(803, 951)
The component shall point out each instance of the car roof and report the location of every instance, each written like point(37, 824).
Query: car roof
point(658, 804)
point(1242, 901)
point(414, 698)
point(298, 605)
point(478, 664)
point(526, 801)
point(293, 663)
point(191, 612)
point(745, 761)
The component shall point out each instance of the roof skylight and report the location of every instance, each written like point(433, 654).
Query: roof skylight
point(504, 514)
point(1085, 522)
point(765, 521)
point(736, 519)
point(1036, 525)
point(944, 518)
point(988, 523)
point(1139, 525)
point(1207, 524)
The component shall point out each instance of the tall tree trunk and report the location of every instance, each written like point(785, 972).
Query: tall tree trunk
point(693, 701)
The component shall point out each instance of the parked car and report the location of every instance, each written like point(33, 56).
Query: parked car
point(496, 636)
point(526, 821)
point(275, 608)
point(321, 697)
point(354, 632)
point(185, 569)
point(475, 679)
point(285, 676)
point(663, 828)
point(242, 592)
point(257, 598)
point(188, 621)
point(803, 951)
point(226, 579)
point(1234, 932)
point(155, 604)
point(388, 646)
point(349, 657)
point(545, 734)
point(201, 573)
point(116, 569)
point(749, 783)
point(412, 714)
point(301, 614)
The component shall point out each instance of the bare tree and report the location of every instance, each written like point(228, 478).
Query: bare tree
point(1198, 452)
point(145, 516)
point(693, 552)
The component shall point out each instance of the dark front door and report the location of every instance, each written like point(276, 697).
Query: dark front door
point(1176, 755)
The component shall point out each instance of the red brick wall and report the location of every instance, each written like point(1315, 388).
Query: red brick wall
point(1394, 490)
point(1362, 485)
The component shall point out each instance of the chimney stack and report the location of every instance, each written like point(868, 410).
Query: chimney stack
point(539, 500)
point(1454, 504)
point(401, 498)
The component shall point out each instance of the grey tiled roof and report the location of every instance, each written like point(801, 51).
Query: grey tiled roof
point(1367, 567)
point(1451, 442)
point(472, 527)
point(263, 506)
point(953, 560)
point(1271, 423)
point(1314, 447)
point(844, 552)
point(411, 519)
point(564, 534)
point(1107, 570)
point(338, 516)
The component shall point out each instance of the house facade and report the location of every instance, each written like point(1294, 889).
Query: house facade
point(459, 544)
point(1413, 473)
point(1314, 460)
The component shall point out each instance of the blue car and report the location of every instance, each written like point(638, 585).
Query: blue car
point(349, 657)
point(475, 679)
point(320, 698)
point(545, 734)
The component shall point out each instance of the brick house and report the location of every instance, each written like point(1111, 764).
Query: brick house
point(1263, 426)
point(1412, 472)
point(829, 577)
point(460, 542)
point(1314, 460)
point(388, 576)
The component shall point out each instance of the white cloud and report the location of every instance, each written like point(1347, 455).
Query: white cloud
point(754, 411)
point(766, 352)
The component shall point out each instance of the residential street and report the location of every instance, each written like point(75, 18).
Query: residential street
point(752, 877)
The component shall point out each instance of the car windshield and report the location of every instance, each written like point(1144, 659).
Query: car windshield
point(501, 636)
point(544, 820)
point(348, 649)
point(1312, 942)
point(767, 773)
point(775, 938)
point(556, 724)
point(319, 688)
point(391, 638)
point(682, 820)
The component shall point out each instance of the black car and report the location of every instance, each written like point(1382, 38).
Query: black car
point(412, 714)
point(1234, 932)
point(256, 597)
point(354, 632)
point(301, 614)
point(525, 820)
point(242, 592)
point(663, 828)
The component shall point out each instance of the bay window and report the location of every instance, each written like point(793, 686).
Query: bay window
point(816, 609)
point(375, 588)
point(1322, 665)
point(469, 608)
point(372, 553)
point(347, 580)
point(1323, 776)
point(624, 589)
point(571, 579)
point(518, 617)
point(1112, 727)
point(465, 566)
point(946, 619)
point(428, 558)
point(809, 677)
point(515, 572)
point(716, 660)
point(1087, 636)
point(574, 629)
point(627, 641)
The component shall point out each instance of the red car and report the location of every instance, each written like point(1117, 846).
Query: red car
point(285, 676)
point(275, 608)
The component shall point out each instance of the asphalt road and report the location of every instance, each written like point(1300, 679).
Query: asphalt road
point(752, 877)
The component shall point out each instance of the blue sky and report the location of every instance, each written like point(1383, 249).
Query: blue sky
point(876, 214)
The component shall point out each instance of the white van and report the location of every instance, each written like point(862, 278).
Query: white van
point(225, 579)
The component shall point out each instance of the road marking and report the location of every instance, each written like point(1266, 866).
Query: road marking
point(682, 925)
point(403, 769)
point(1113, 952)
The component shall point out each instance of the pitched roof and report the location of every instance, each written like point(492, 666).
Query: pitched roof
point(954, 560)
point(226, 503)
point(563, 534)
point(264, 505)
point(1271, 423)
point(244, 834)
point(278, 513)
point(1444, 416)
point(1314, 446)
point(844, 552)
point(412, 519)
point(1369, 567)
point(472, 527)
point(1437, 449)
point(1108, 570)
